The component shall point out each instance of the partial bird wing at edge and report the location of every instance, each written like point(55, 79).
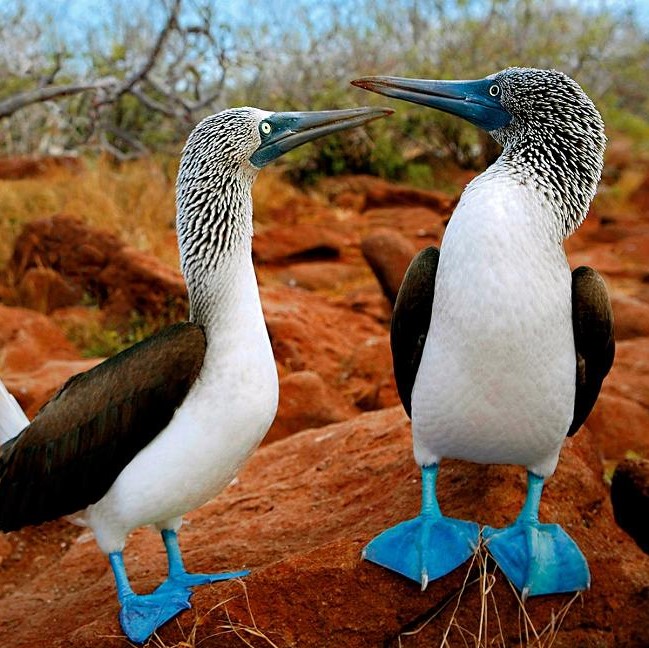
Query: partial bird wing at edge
point(592, 320)
point(411, 320)
point(80, 441)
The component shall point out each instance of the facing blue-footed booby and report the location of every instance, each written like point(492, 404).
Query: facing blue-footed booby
point(499, 351)
point(162, 427)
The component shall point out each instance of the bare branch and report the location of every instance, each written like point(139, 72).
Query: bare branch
point(20, 100)
point(151, 103)
point(48, 79)
point(139, 75)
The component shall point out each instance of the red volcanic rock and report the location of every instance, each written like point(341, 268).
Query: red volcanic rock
point(421, 225)
point(137, 281)
point(298, 517)
point(634, 248)
point(306, 401)
point(66, 245)
point(620, 419)
point(19, 168)
point(630, 498)
point(389, 254)
point(629, 377)
point(121, 279)
point(640, 196)
point(631, 316)
point(298, 242)
point(319, 275)
point(618, 425)
point(44, 289)
point(380, 193)
point(35, 357)
point(606, 261)
point(349, 350)
point(27, 339)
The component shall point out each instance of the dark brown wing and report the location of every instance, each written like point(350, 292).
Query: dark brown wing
point(592, 321)
point(80, 441)
point(411, 319)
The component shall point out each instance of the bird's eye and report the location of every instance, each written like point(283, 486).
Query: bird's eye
point(265, 128)
point(494, 90)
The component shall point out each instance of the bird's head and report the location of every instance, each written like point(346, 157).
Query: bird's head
point(241, 141)
point(220, 161)
point(225, 151)
point(549, 128)
point(512, 104)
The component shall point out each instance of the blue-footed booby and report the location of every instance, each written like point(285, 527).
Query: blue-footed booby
point(162, 427)
point(499, 350)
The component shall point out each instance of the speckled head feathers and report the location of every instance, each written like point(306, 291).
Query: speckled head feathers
point(555, 138)
point(552, 135)
point(222, 144)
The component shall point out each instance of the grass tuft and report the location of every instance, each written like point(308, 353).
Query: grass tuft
point(245, 632)
point(489, 631)
point(135, 200)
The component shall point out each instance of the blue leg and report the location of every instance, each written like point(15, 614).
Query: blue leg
point(142, 615)
point(428, 546)
point(179, 580)
point(537, 558)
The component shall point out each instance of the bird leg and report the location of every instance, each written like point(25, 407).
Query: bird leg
point(142, 614)
point(179, 578)
point(537, 558)
point(428, 546)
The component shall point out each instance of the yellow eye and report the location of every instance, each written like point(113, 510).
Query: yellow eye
point(265, 128)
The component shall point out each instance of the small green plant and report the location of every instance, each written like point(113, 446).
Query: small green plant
point(96, 340)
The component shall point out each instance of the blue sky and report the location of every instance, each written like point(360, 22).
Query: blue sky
point(84, 14)
point(74, 20)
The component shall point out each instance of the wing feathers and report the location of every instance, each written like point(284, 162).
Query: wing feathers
point(411, 320)
point(592, 319)
point(79, 442)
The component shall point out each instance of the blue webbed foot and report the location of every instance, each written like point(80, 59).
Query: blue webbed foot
point(179, 578)
point(184, 580)
point(428, 546)
point(142, 615)
point(424, 548)
point(537, 558)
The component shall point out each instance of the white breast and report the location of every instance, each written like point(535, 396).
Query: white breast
point(496, 383)
point(223, 419)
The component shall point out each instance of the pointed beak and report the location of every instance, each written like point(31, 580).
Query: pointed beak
point(288, 130)
point(470, 100)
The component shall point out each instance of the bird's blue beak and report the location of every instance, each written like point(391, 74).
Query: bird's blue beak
point(476, 101)
point(283, 131)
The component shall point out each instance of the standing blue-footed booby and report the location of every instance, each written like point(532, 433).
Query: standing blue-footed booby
point(499, 351)
point(162, 427)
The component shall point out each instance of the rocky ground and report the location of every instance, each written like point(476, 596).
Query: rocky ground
point(337, 467)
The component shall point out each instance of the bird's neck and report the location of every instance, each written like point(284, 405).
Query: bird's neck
point(214, 225)
point(562, 167)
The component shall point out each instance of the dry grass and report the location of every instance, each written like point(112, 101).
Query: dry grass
point(135, 200)
point(489, 631)
point(245, 632)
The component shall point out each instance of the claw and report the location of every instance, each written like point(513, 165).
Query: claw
point(428, 546)
point(424, 579)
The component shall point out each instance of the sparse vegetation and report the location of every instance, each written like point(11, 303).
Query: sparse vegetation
point(136, 199)
point(157, 72)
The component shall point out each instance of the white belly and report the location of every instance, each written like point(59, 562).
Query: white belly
point(222, 420)
point(496, 383)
